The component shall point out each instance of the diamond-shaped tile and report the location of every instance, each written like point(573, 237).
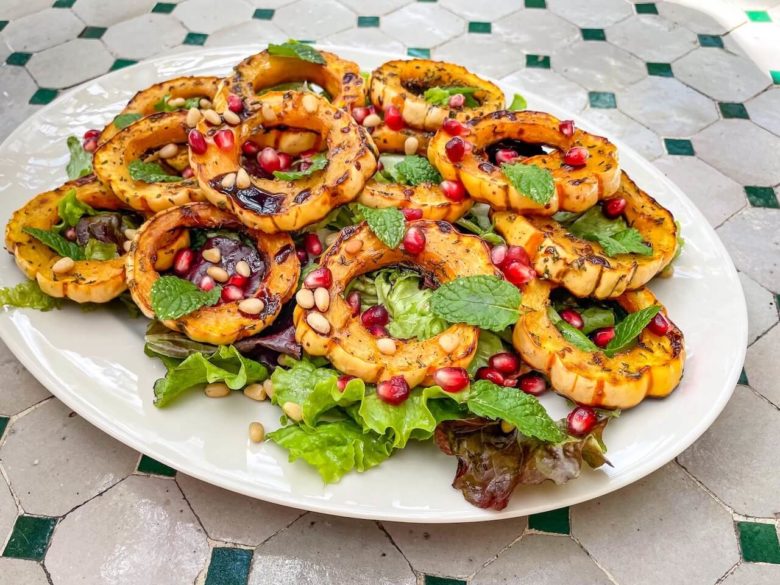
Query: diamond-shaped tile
point(537, 61)
point(720, 75)
point(537, 31)
point(3, 24)
point(535, 4)
point(646, 8)
point(102, 13)
point(710, 41)
point(42, 30)
point(659, 69)
point(602, 99)
point(480, 28)
point(593, 34)
point(598, 66)
point(18, 59)
point(733, 110)
point(264, 13)
point(43, 96)
point(91, 55)
point(200, 15)
point(764, 109)
point(679, 146)
point(652, 38)
point(163, 8)
point(30, 537)
point(410, 25)
point(775, 75)
point(144, 36)
point(22, 572)
point(617, 125)
point(92, 32)
point(758, 16)
point(153, 467)
point(228, 566)
point(330, 16)
point(762, 197)
point(752, 238)
point(488, 54)
point(759, 542)
point(743, 379)
point(63, 3)
point(122, 63)
point(197, 39)
point(593, 13)
point(547, 82)
point(418, 53)
point(368, 21)
point(762, 308)
point(555, 521)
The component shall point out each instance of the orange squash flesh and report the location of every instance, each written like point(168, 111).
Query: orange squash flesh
point(426, 197)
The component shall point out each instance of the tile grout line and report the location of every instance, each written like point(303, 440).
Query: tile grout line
point(596, 562)
point(500, 552)
point(382, 528)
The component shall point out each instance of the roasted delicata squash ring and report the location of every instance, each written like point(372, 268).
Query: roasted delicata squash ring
point(274, 205)
point(428, 198)
point(112, 160)
point(395, 141)
point(582, 266)
point(340, 78)
point(350, 347)
point(144, 101)
point(221, 324)
point(653, 367)
point(577, 188)
point(401, 83)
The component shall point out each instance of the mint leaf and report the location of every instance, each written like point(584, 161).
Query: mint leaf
point(388, 224)
point(57, 243)
point(489, 345)
point(533, 182)
point(612, 234)
point(71, 210)
point(297, 50)
point(150, 172)
point(440, 96)
point(97, 250)
point(80, 163)
point(522, 410)
point(122, 121)
point(174, 297)
point(485, 301)
point(414, 170)
point(164, 106)
point(518, 103)
point(28, 295)
point(629, 329)
point(318, 162)
point(570, 333)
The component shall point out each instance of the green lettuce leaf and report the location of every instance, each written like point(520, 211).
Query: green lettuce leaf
point(489, 345)
point(401, 292)
point(70, 210)
point(440, 96)
point(80, 163)
point(518, 103)
point(28, 295)
point(97, 250)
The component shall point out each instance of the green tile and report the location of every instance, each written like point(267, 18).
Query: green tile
point(679, 146)
point(743, 378)
point(92, 32)
point(536, 3)
point(646, 8)
point(762, 197)
point(480, 27)
point(733, 110)
point(593, 34)
point(759, 542)
point(121, 63)
point(433, 580)
point(30, 537)
point(64, 3)
point(43, 96)
point(602, 99)
point(556, 521)
point(19, 59)
point(537, 61)
point(195, 38)
point(163, 7)
point(3, 425)
point(229, 566)
point(711, 41)
point(758, 16)
point(660, 69)
point(3, 24)
point(264, 13)
point(419, 52)
point(154, 467)
point(774, 74)
point(368, 21)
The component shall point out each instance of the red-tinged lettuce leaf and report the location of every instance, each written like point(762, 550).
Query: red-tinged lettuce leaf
point(492, 463)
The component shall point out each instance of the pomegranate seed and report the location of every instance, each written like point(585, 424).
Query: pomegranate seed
point(393, 118)
point(207, 283)
point(581, 421)
point(376, 315)
point(517, 254)
point(491, 375)
point(659, 324)
point(353, 300)
point(268, 159)
point(250, 148)
point(532, 383)
point(342, 382)
point(303, 256)
point(393, 391)
point(285, 161)
point(602, 337)
point(90, 134)
point(566, 127)
point(359, 113)
point(505, 362)
point(90, 145)
point(238, 280)
point(576, 156)
point(187, 173)
point(498, 254)
point(452, 127)
point(70, 234)
point(305, 165)
point(455, 149)
point(414, 241)
point(451, 379)
point(231, 293)
point(319, 277)
point(505, 156)
point(235, 104)
point(197, 142)
point(378, 331)
point(224, 139)
point(312, 243)
point(510, 383)
point(453, 190)
point(518, 273)
point(411, 214)
point(572, 317)
point(613, 207)
point(457, 101)
point(182, 261)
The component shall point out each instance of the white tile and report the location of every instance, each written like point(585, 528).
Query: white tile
point(20, 389)
point(144, 36)
point(360, 38)
point(260, 32)
point(761, 306)
point(652, 38)
point(269, 3)
point(661, 529)
point(598, 66)
point(617, 125)
point(88, 56)
point(593, 13)
point(484, 54)
point(108, 12)
point(8, 511)
point(21, 572)
point(714, 17)
point(717, 196)
point(721, 75)
point(330, 551)
point(762, 366)
point(754, 574)
point(16, 88)
point(374, 7)
point(759, 42)
point(56, 460)
point(482, 11)
point(12, 9)
point(140, 532)
point(764, 109)
point(538, 32)
point(412, 25)
point(231, 517)
point(204, 16)
point(546, 83)
point(330, 17)
point(41, 30)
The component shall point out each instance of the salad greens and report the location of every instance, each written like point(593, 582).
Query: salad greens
point(173, 297)
point(150, 172)
point(611, 234)
point(80, 163)
point(164, 106)
point(518, 103)
point(534, 182)
point(28, 295)
point(122, 121)
point(487, 302)
point(318, 162)
point(71, 210)
point(409, 170)
point(57, 243)
point(296, 50)
point(440, 96)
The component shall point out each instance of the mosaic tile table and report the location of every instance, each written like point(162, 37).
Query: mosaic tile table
point(694, 85)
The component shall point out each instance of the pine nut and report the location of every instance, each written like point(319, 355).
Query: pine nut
point(212, 117)
point(411, 145)
point(386, 345)
point(228, 181)
point(293, 410)
point(176, 102)
point(507, 427)
point(353, 246)
point(205, 103)
point(255, 392)
point(242, 179)
point(212, 255)
point(322, 299)
point(331, 238)
point(372, 121)
point(305, 298)
point(319, 323)
point(268, 113)
point(126, 245)
point(63, 265)
point(253, 306)
point(269, 388)
point(310, 103)
point(217, 273)
point(193, 117)
point(130, 233)
point(169, 150)
point(231, 118)
point(256, 432)
point(448, 342)
point(242, 267)
point(217, 390)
